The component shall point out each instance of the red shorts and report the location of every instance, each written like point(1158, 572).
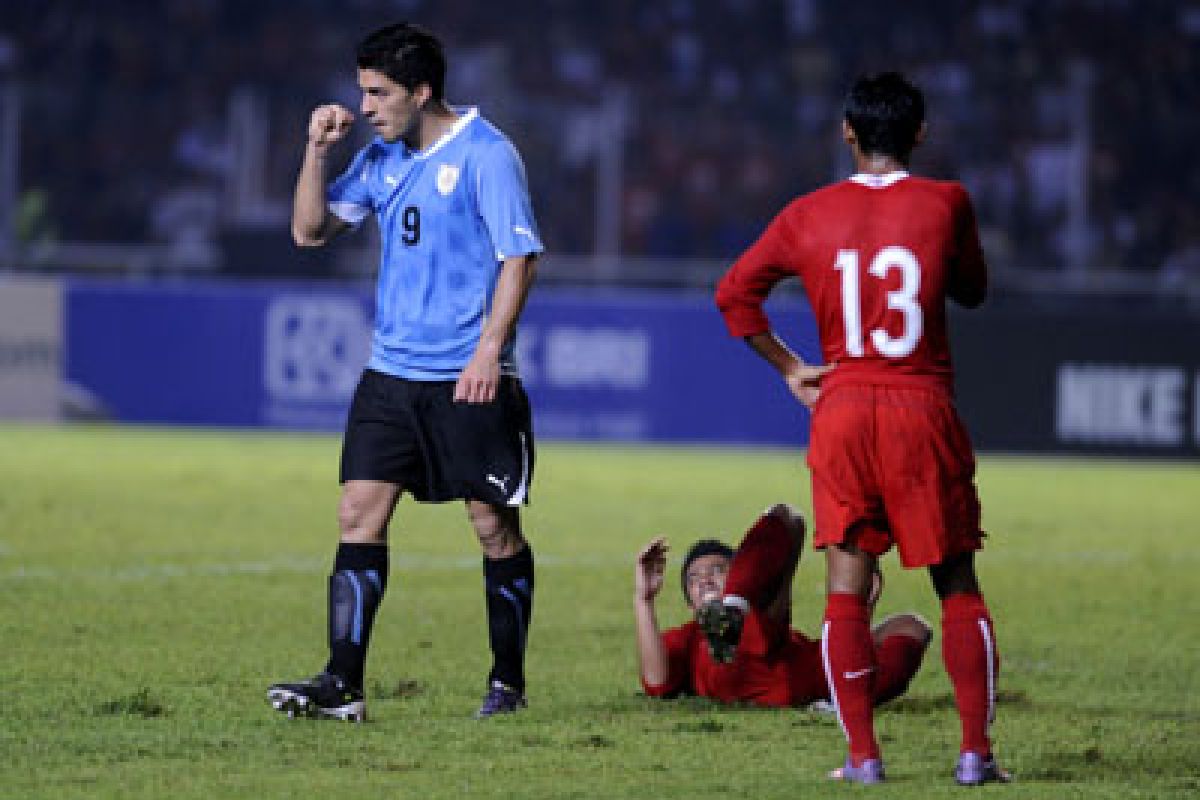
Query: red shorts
point(893, 465)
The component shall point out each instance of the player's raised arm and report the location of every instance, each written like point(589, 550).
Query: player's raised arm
point(312, 223)
point(653, 660)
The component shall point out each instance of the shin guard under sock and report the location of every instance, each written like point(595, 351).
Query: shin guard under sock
point(972, 661)
point(848, 653)
point(508, 588)
point(356, 588)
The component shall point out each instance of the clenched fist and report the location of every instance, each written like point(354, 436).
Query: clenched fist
point(329, 123)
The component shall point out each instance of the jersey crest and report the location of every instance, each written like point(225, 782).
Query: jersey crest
point(447, 178)
point(443, 243)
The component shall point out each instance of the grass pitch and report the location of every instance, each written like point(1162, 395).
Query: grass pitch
point(152, 583)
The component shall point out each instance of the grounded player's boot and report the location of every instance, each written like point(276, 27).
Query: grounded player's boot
point(323, 696)
point(722, 626)
point(500, 699)
point(975, 770)
point(868, 772)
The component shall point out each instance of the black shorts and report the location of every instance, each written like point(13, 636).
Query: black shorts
point(413, 434)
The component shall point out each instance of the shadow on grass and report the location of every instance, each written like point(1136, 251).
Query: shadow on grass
point(1092, 763)
point(595, 740)
point(397, 690)
point(929, 704)
point(700, 726)
point(1086, 759)
point(1017, 699)
point(139, 704)
point(393, 766)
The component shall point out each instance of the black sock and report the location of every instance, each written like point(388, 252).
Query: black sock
point(508, 586)
point(356, 587)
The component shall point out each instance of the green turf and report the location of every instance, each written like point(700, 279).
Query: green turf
point(152, 583)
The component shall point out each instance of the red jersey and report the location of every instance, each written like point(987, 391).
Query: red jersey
point(775, 666)
point(878, 256)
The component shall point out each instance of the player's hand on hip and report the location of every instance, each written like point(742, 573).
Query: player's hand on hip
point(328, 124)
point(804, 381)
point(478, 381)
point(651, 566)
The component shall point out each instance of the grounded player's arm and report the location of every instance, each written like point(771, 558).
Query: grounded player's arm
point(652, 650)
point(312, 223)
point(653, 661)
point(479, 379)
point(804, 380)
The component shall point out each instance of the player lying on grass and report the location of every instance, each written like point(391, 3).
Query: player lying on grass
point(772, 664)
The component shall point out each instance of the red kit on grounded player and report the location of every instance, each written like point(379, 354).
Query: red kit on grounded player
point(891, 464)
point(771, 664)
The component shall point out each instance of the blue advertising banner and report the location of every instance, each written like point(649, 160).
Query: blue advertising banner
point(607, 365)
point(655, 366)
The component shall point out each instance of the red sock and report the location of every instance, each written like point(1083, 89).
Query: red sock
point(899, 658)
point(849, 656)
point(970, 655)
point(762, 560)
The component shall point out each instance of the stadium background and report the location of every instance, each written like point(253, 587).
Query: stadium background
point(147, 151)
point(156, 575)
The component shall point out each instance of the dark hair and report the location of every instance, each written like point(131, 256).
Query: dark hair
point(704, 547)
point(885, 112)
point(408, 54)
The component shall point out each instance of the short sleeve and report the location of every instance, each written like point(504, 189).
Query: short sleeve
point(503, 198)
point(349, 195)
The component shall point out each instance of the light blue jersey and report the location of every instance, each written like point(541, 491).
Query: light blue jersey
point(448, 215)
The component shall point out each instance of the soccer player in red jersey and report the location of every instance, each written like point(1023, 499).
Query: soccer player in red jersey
point(772, 664)
point(891, 464)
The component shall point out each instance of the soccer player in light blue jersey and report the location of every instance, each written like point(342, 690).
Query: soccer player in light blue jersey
point(439, 412)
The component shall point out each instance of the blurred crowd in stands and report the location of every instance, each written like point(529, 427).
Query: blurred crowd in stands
point(1069, 120)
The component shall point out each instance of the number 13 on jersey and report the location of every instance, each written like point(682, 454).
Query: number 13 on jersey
point(903, 300)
